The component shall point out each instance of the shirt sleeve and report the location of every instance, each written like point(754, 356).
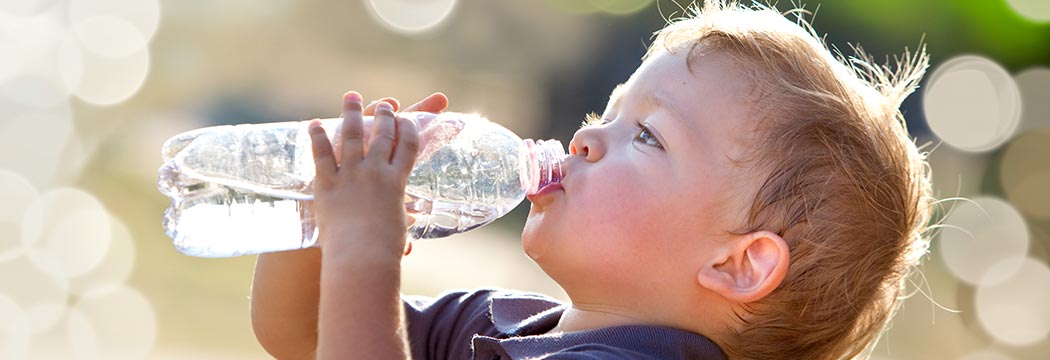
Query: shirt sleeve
point(442, 328)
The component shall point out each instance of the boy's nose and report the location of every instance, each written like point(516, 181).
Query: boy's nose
point(587, 143)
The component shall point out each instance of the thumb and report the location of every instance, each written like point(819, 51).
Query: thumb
point(435, 103)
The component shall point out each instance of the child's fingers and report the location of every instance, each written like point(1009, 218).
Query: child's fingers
point(371, 108)
point(353, 129)
point(324, 159)
point(407, 147)
point(384, 132)
point(435, 103)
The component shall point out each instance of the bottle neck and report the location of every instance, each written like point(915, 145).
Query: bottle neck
point(545, 164)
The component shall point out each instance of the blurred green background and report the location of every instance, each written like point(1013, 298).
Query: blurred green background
point(90, 89)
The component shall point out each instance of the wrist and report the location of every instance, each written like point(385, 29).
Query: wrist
point(374, 249)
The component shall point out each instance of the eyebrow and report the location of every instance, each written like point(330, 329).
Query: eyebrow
point(656, 99)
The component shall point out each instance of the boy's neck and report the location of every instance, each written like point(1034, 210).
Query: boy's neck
point(584, 317)
point(703, 320)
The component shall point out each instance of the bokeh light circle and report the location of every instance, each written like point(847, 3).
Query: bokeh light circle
point(53, 342)
point(115, 324)
point(1035, 10)
point(81, 336)
point(36, 90)
point(1025, 173)
point(75, 157)
point(67, 231)
point(41, 294)
point(1016, 310)
point(1035, 87)
point(101, 80)
point(33, 42)
point(14, 329)
point(23, 8)
point(11, 62)
point(12, 106)
point(76, 242)
point(31, 142)
point(142, 14)
point(411, 16)
point(16, 194)
point(115, 267)
point(10, 245)
point(109, 36)
point(980, 234)
point(972, 103)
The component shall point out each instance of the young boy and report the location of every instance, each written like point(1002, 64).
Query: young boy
point(744, 195)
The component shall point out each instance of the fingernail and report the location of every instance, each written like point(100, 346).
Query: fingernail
point(384, 106)
point(352, 96)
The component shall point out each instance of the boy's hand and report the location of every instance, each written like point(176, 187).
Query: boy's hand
point(360, 198)
point(436, 103)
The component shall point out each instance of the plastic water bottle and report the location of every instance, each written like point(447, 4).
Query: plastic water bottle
point(246, 189)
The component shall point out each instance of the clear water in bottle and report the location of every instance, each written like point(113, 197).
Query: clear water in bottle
point(245, 189)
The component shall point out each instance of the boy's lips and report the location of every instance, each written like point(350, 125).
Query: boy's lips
point(542, 196)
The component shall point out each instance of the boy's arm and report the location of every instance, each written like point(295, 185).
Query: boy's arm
point(285, 293)
point(361, 223)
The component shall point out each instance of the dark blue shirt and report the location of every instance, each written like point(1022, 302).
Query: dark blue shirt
point(500, 324)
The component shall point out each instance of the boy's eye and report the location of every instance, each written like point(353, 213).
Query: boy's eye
point(646, 136)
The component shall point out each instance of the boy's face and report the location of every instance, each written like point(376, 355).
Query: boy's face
point(651, 191)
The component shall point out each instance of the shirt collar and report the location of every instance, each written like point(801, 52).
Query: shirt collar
point(524, 321)
point(527, 314)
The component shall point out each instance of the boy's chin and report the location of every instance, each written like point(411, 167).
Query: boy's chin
point(535, 236)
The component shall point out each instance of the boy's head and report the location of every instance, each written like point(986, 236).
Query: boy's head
point(746, 184)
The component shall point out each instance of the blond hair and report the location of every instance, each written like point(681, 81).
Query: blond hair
point(844, 185)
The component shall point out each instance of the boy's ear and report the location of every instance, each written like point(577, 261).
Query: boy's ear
point(748, 268)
